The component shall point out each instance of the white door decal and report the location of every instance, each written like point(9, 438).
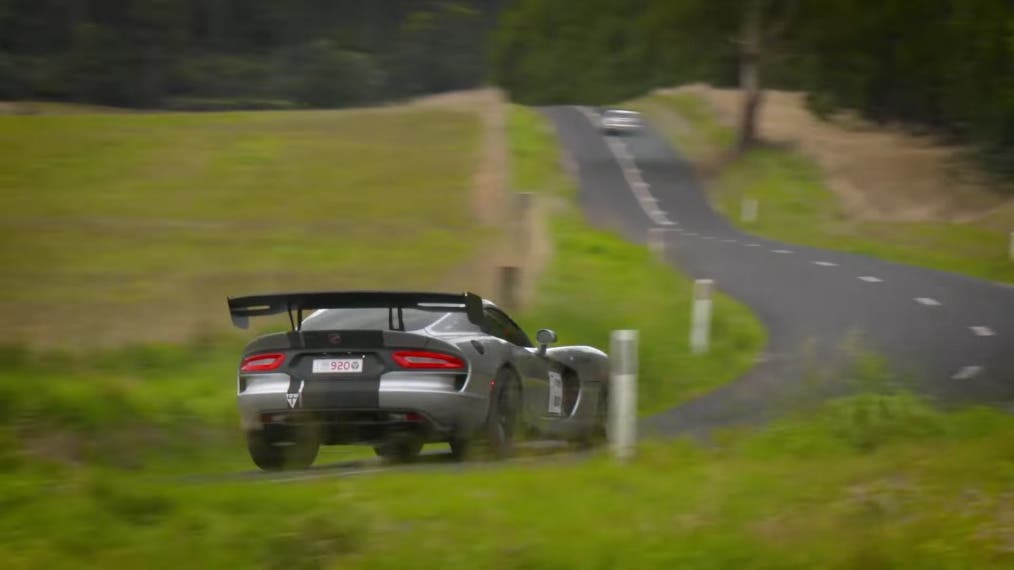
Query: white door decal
point(555, 393)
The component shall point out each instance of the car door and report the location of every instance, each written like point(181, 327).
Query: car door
point(533, 369)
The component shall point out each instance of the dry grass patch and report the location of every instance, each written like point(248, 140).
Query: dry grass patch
point(878, 173)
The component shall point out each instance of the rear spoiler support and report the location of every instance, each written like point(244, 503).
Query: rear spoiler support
point(242, 308)
point(390, 319)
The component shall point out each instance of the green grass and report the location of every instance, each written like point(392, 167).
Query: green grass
point(114, 221)
point(879, 481)
point(796, 205)
point(598, 282)
point(94, 447)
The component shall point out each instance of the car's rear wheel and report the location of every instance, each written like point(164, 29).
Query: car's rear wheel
point(273, 451)
point(504, 412)
point(401, 450)
point(461, 448)
point(501, 427)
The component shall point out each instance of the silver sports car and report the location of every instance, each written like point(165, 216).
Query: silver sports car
point(398, 370)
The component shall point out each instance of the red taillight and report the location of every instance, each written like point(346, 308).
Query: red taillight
point(262, 362)
point(425, 359)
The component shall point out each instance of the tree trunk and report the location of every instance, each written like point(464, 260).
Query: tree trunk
point(751, 50)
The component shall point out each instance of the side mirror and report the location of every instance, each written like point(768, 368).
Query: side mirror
point(545, 337)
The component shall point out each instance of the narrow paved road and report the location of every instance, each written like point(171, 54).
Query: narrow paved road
point(950, 336)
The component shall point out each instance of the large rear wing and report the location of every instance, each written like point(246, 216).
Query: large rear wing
point(242, 308)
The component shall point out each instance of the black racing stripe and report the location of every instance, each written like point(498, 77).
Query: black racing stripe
point(337, 339)
point(339, 391)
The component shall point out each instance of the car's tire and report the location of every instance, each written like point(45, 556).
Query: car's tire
point(402, 450)
point(502, 420)
point(273, 453)
point(461, 448)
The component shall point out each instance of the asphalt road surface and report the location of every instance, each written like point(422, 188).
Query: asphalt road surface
point(947, 336)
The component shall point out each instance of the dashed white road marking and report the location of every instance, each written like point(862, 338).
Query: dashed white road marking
point(753, 245)
point(928, 301)
point(825, 263)
point(781, 251)
point(632, 175)
point(967, 372)
point(729, 240)
point(692, 234)
point(635, 176)
point(709, 237)
point(870, 279)
point(982, 331)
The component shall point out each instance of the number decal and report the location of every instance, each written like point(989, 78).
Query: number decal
point(338, 366)
point(555, 393)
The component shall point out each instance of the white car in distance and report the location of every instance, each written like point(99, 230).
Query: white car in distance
point(619, 121)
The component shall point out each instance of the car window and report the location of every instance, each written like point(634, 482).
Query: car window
point(370, 319)
point(500, 325)
point(454, 322)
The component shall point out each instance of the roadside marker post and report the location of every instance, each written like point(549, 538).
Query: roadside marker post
point(623, 393)
point(510, 278)
point(523, 206)
point(748, 210)
point(700, 323)
point(1011, 246)
point(509, 274)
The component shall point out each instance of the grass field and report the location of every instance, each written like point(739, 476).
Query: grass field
point(866, 483)
point(128, 406)
point(797, 206)
point(113, 222)
point(98, 453)
point(143, 405)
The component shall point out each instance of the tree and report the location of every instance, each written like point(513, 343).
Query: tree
point(96, 70)
point(439, 48)
point(329, 76)
point(761, 25)
point(141, 52)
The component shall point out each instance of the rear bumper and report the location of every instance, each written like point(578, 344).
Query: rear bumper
point(445, 407)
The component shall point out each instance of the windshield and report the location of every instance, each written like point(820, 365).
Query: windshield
point(380, 318)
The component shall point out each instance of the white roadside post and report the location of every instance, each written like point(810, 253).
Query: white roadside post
point(623, 393)
point(1011, 246)
point(748, 210)
point(700, 324)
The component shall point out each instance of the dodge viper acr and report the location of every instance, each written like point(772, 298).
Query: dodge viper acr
point(397, 370)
